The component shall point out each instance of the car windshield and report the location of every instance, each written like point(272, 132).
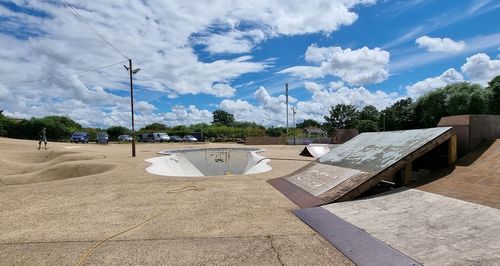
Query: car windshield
point(162, 134)
point(78, 134)
point(102, 134)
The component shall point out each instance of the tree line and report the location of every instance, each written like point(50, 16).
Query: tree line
point(453, 99)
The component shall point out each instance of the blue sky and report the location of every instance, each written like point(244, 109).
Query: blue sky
point(237, 56)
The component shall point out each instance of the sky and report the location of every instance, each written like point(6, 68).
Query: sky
point(199, 56)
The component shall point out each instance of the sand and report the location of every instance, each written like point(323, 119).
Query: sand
point(58, 203)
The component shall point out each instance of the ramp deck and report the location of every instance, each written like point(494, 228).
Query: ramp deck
point(359, 164)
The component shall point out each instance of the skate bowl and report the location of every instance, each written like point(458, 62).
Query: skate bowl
point(208, 162)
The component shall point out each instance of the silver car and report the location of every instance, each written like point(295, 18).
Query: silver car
point(124, 138)
point(189, 138)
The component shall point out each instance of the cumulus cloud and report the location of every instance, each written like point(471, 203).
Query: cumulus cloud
point(450, 76)
point(446, 45)
point(356, 67)
point(271, 110)
point(480, 68)
point(52, 42)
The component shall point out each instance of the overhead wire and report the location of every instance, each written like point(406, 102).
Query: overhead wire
point(57, 77)
point(75, 12)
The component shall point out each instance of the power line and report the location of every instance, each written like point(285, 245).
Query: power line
point(74, 12)
point(59, 76)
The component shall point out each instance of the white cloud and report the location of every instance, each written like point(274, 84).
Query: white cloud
point(271, 110)
point(450, 76)
point(356, 67)
point(481, 69)
point(446, 45)
point(223, 90)
point(159, 37)
point(181, 115)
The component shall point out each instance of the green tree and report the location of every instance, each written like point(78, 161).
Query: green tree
point(494, 101)
point(276, 131)
point(116, 131)
point(341, 116)
point(454, 99)
point(154, 127)
point(400, 115)
point(222, 117)
point(367, 126)
point(309, 123)
point(369, 112)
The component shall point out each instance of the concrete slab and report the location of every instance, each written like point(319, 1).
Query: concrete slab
point(199, 220)
point(433, 229)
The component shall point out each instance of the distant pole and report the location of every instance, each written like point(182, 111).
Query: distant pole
point(286, 101)
point(294, 109)
point(130, 69)
point(383, 120)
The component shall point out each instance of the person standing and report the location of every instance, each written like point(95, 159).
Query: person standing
point(43, 138)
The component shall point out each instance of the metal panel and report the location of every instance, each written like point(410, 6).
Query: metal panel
point(357, 245)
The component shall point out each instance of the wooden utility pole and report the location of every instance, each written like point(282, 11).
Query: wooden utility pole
point(286, 101)
point(130, 69)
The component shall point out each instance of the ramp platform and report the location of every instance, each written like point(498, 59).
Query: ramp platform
point(359, 164)
point(316, 150)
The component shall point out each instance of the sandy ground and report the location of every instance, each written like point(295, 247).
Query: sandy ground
point(57, 204)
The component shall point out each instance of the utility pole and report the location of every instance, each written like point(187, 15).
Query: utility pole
point(286, 101)
point(132, 71)
point(383, 120)
point(132, 105)
point(294, 110)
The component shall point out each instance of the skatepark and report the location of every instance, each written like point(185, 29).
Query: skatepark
point(385, 198)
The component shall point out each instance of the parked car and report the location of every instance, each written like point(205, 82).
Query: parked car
point(102, 138)
point(147, 137)
point(124, 138)
point(190, 138)
point(82, 137)
point(175, 138)
point(162, 137)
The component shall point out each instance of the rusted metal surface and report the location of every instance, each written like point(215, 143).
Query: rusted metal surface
point(302, 198)
point(357, 245)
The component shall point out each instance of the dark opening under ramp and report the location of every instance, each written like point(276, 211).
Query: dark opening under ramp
point(359, 164)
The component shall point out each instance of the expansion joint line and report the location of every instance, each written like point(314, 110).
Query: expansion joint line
point(190, 187)
point(278, 256)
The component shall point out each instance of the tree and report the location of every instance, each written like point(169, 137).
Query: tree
point(276, 131)
point(341, 116)
point(222, 117)
point(308, 123)
point(454, 99)
point(154, 127)
point(494, 89)
point(369, 112)
point(400, 115)
point(367, 126)
point(116, 131)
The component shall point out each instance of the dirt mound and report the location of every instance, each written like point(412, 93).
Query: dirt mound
point(57, 172)
point(35, 156)
point(10, 167)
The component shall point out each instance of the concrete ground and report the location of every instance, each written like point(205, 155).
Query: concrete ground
point(57, 204)
point(430, 228)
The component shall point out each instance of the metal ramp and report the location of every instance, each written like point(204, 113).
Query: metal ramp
point(316, 150)
point(359, 164)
